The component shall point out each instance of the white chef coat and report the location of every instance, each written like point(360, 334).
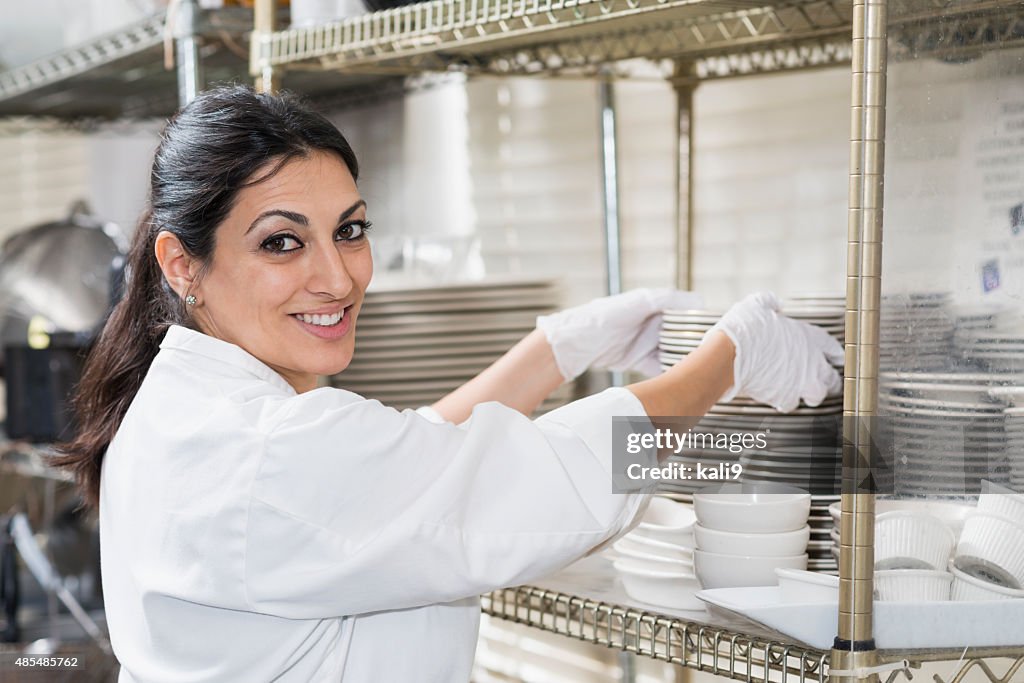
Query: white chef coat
point(249, 533)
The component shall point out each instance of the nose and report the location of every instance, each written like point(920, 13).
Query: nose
point(328, 274)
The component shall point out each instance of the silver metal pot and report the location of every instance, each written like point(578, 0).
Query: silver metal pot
point(56, 277)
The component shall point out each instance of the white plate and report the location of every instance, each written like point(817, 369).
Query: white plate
point(667, 335)
point(683, 344)
point(685, 327)
point(719, 409)
point(897, 625)
point(489, 286)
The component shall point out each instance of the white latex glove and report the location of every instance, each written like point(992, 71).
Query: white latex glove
point(615, 332)
point(779, 360)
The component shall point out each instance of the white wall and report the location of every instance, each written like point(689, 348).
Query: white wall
point(770, 184)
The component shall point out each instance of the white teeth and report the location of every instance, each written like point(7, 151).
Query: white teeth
point(321, 320)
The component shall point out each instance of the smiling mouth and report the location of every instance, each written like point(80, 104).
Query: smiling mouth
point(321, 320)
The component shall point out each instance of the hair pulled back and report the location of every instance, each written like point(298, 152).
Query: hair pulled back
point(226, 139)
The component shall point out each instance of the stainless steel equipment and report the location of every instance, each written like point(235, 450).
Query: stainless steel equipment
point(57, 275)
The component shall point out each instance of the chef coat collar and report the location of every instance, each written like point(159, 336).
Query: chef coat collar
point(191, 341)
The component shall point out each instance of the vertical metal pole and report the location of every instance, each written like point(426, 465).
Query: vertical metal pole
point(610, 194)
point(186, 47)
point(685, 83)
point(854, 645)
point(267, 77)
point(610, 187)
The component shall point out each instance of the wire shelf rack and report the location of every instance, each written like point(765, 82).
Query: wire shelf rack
point(507, 36)
point(691, 644)
point(363, 58)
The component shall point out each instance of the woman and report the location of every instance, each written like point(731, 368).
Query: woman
point(256, 528)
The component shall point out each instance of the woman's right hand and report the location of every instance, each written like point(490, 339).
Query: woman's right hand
point(778, 360)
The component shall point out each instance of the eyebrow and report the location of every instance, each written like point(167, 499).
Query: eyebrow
point(299, 218)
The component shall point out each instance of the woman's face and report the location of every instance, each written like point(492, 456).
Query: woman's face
point(289, 270)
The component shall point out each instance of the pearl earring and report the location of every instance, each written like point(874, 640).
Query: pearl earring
point(190, 300)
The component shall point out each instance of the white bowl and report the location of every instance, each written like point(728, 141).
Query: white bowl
point(911, 540)
point(992, 548)
point(800, 586)
point(1010, 506)
point(751, 512)
point(949, 513)
point(668, 521)
point(785, 543)
point(651, 546)
point(715, 570)
point(654, 563)
point(967, 587)
point(664, 589)
point(912, 585)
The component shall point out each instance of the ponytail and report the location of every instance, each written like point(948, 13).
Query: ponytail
point(119, 360)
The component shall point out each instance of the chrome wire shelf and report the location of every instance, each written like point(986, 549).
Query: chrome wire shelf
point(722, 37)
point(508, 36)
point(369, 57)
point(691, 644)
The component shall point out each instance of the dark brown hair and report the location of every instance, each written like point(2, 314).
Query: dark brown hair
point(224, 140)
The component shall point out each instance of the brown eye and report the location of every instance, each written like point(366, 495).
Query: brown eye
point(350, 232)
point(280, 244)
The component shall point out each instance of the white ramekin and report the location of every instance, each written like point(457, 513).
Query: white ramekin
point(992, 546)
point(1010, 506)
point(966, 587)
point(912, 585)
point(910, 540)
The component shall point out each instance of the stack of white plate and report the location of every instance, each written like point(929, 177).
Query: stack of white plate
point(683, 330)
point(802, 446)
point(826, 310)
point(947, 431)
point(916, 331)
point(414, 345)
point(999, 350)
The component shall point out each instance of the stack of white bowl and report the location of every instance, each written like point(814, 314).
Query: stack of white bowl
point(655, 560)
point(989, 562)
point(742, 538)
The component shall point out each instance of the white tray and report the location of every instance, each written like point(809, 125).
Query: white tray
point(897, 625)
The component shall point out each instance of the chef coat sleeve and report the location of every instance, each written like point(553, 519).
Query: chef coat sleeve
point(360, 508)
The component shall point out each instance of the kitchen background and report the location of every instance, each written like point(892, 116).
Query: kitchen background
point(506, 175)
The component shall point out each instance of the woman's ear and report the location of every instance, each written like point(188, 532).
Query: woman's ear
point(178, 267)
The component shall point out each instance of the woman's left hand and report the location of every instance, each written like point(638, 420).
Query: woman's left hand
point(615, 332)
